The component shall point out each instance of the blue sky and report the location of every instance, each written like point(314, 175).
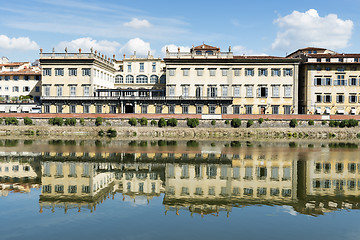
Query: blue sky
point(118, 27)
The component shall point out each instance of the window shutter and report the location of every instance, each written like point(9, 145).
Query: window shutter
point(323, 83)
point(349, 99)
point(337, 98)
point(335, 82)
point(345, 83)
point(330, 98)
point(315, 82)
point(324, 98)
point(258, 92)
point(266, 92)
point(272, 72)
point(216, 92)
point(208, 92)
point(246, 72)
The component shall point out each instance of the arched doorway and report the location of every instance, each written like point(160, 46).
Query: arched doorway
point(129, 108)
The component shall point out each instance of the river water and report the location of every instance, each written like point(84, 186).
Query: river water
point(146, 189)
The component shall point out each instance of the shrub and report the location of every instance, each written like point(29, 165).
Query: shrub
point(56, 121)
point(249, 123)
point(27, 121)
point(101, 133)
point(311, 122)
point(82, 121)
point(227, 122)
point(358, 135)
point(132, 121)
point(293, 123)
point(153, 122)
point(344, 123)
point(213, 144)
point(111, 133)
point(172, 122)
point(143, 121)
point(323, 122)
point(192, 143)
point(235, 144)
point(261, 120)
point(353, 123)
point(213, 122)
point(11, 121)
point(162, 122)
point(70, 121)
point(332, 123)
point(98, 121)
point(193, 122)
point(236, 123)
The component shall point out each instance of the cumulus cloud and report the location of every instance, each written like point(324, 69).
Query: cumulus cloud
point(174, 48)
point(86, 43)
point(21, 43)
point(136, 44)
point(300, 29)
point(241, 50)
point(137, 23)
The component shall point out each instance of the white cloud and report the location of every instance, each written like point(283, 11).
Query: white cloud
point(137, 23)
point(239, 50)
point(136, 44)
point(174, 48)
point(86, 43)
point(289, 209)
point(299, 30)
point(21, 43)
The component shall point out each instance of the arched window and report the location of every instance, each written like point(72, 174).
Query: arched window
point(129, 79)
point(141, 79)
point(119, 79)
point(154, 79)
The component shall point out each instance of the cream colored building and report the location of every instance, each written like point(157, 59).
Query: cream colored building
point(207, 81)
point(329, 82)
point(70, 81)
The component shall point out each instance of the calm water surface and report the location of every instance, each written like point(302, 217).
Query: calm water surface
point(178, 190)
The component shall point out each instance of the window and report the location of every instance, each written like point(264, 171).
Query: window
point(7, 78)
point(198, 109)
point(129, 67)
point(172, 109)
point(287, 92)
point(26, 78)
point(72, 91)
point(46, 108)
point(288, 72)
point(236, 72)
point(144, 108)
point(317, 81)
point(59, 188)
point(200, 71)
point(224, 91)
point(275, 72)
point(341, 69)
point(185, 91)
point(37, 89)
point(341, 60)
point(212, 92)
point(86, 91)
point(172, 72)
point(129, 79)
point(86, 71)
point(287, 109)
point(249, 91)
point(236, 109)
point(72, 189)
point(185, 109)
point(141, 79)
point(86, 109)
point(59, 91)
point(262, 92)
point(275, 109)
point(158, 109)
point(59, 108)
point(249, 72)
point(15, 89)
point(59, 72)
point(6, 88)
point(15, 78)
point(46, 72)
point(46, 188)
point(72, 71)
point(318, 98)
point(224, 109)
point(154, 67)
point(248, 109)
point(154, 79)
point(185, 72)
point(236, 91)
point(142, 68)
point(262, 72)
point(72, 108)
point(340, 81)
point(352, 99)
point(340, 98)
point(352, 82)
point(212, 71)
point(212, 109)
point(119, 79)
point(225, 72)
point(274, 192)
point(98, 108)
point(275, 92)
point(26, 89)
point(327, 98)
point(198, 92)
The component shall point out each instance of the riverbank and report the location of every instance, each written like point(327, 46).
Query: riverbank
point(185, 133)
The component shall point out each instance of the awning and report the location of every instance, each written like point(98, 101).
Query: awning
point(2, 109)
point(25, 109)
point(353, 110)
point(13, 109)
point(327, 110)
point(318, 110)
point(340, 111)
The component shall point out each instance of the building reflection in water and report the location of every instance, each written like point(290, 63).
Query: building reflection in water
point(200, 180)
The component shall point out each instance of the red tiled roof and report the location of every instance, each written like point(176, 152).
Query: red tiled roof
point(13, 64)
point(340, 55)
point(20, 72)
point(206, 47)
point(258, 57)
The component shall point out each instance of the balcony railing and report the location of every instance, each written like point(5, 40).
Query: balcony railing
point(131, 98)
point(199, 55)
point(75, 56)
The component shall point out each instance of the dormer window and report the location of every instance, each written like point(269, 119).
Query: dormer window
point(210, 52)
point(198, 52)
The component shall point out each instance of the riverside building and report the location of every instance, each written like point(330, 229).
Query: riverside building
point(328, 82)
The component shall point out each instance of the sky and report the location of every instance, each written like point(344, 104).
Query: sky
point(257, 27)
